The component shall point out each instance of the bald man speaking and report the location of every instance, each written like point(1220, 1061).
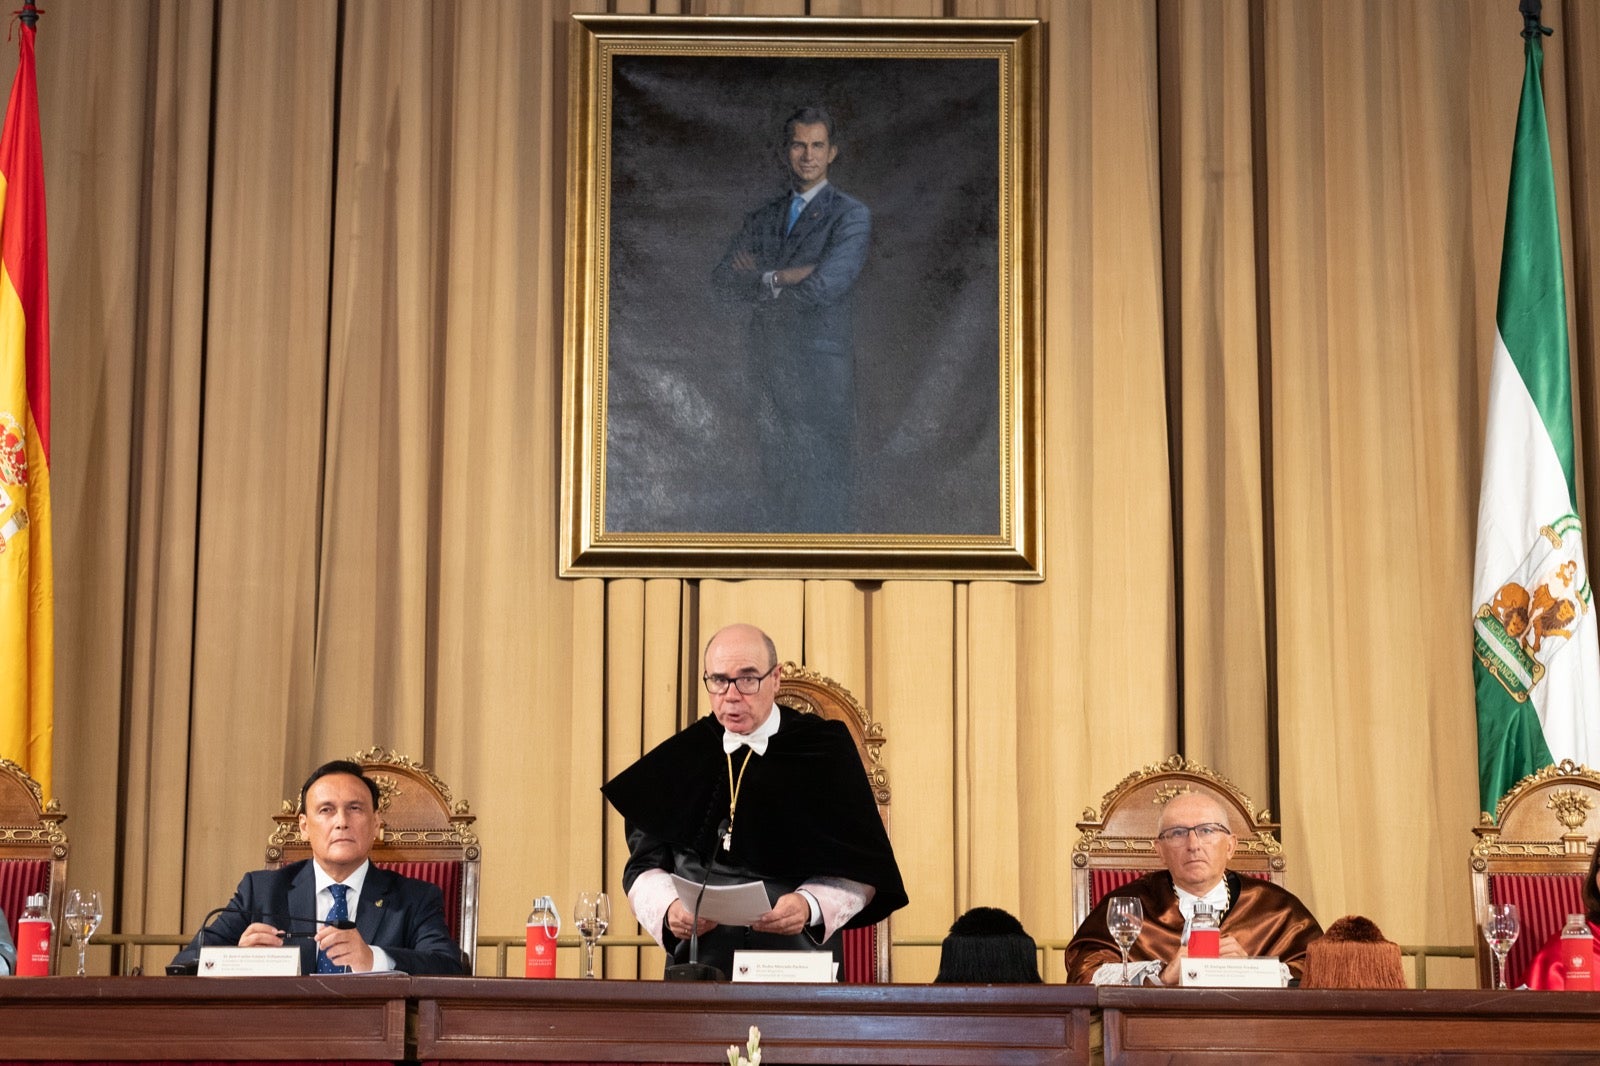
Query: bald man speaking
point(1195, 844)
point(755, 792)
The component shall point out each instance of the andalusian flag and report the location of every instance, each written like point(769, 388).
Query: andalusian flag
point(27, 593)
point(1535, 658)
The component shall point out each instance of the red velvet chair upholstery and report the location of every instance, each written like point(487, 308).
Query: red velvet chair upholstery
point(1117, 843)
point(1534, 852)
point(866, 950)
point(33, 848)
point(427, 834)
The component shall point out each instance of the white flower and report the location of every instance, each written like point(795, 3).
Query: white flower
point(752, 1049)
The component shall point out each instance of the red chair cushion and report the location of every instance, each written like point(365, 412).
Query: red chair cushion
point(446, 875)
point(1543, 903)
point(19, 879)
point(861, 955)
point(1104, 882)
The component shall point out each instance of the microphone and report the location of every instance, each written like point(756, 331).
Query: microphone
point(694, 969)
point(191, 967)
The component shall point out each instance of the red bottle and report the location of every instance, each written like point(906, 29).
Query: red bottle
point(1577, 954)
point(1205, 935)
point(34, 933)
point(544, 925)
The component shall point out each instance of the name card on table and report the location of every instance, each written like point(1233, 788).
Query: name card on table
point(1265, 972)
point(784, 967)
point(249, 962)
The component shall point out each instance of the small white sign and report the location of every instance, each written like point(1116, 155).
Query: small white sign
point(784, 967)
point(1265, 972)
point(249, 962)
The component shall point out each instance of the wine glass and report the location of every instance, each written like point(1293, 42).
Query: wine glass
point(82, 917)
point(592, 915)
point(1124, 917)
point(1500, 930)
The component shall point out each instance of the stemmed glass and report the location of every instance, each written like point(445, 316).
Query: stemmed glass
point(1500, 930)
point(593, 916)
point(1124, 917)
point(82, 917)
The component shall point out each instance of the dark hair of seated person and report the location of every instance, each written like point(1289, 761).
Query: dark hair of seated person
point(987, 945)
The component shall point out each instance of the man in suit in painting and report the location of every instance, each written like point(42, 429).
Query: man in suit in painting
point(794, 264)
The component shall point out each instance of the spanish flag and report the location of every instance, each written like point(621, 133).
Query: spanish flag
point(27, 589)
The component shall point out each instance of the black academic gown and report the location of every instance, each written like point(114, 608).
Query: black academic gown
point(805, 810)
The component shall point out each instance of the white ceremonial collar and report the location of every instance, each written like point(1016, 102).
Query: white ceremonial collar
point(1217, 897)
point(756, 739)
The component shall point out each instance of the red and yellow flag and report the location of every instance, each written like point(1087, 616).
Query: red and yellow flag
point(27, 588)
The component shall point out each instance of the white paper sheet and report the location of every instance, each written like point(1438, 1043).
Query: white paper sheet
point(725, 904)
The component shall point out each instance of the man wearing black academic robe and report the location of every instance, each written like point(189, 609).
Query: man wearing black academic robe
point(798, 816)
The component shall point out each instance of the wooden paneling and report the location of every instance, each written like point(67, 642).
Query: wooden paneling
point(616, 1021)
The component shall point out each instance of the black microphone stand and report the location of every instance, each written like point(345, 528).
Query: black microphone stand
point(694, 969)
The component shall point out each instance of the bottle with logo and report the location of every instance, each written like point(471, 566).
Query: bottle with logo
point(35, 931)
point(1205, 934)
point(544, 925)
point(1577, 954)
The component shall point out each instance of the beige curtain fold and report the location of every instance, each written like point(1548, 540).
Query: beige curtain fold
point(308, 272)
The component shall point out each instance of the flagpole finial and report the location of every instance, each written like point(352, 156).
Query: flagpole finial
point(1532, 26)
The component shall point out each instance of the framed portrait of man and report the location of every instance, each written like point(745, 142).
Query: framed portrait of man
point(803, 273)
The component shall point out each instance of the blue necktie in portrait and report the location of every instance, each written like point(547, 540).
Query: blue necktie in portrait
point(339, 912)
point(797, 204)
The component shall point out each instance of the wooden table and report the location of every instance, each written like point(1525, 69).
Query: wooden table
point(306, 1019)
point(1156, 1025)
point(651, 1021)
point(195, 1018)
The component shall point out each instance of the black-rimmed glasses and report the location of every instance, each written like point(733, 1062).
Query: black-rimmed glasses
point(748, 684)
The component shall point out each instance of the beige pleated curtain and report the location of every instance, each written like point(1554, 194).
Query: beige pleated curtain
point(307, 277)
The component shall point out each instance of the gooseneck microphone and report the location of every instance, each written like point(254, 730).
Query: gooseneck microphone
point(694, 969)
point(191, 967)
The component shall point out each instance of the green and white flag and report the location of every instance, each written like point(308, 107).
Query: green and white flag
point(1536, 662)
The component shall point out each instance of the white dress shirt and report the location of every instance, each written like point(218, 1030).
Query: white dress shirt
point(355, 882)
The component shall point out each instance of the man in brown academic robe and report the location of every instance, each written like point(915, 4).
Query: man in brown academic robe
point(1195, 844)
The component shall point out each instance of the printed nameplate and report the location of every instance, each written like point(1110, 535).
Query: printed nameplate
point(1231, 973)
point(789, 967)
point(249, 962)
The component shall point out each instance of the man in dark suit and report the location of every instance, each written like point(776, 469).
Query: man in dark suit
point(398, 922)
point(794, 264)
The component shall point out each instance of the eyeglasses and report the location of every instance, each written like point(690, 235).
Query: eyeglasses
point(1205, 831)
point(748, 684)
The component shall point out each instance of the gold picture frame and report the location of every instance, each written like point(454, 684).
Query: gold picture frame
point(724, 416)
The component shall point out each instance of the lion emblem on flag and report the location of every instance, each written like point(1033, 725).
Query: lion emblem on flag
point(1535, 610)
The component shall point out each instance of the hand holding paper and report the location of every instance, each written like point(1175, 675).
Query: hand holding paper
point(738, 904)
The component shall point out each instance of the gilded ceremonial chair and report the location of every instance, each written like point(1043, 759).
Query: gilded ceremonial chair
point(866, 950)
point(427, 834)
point(1534, 852)
point(1117, 843)
point(33, 849)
